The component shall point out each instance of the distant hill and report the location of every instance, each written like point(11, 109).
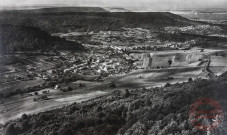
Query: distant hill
point(203, 10)
point(59, 10)
point(116, 9)
point(27, 38)
point(93, 21)
point(203, 14)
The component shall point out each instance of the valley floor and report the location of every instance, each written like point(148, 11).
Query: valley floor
point(15, 106)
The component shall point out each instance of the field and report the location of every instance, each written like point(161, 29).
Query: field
point(21, 72)
point(218, 64)
point(13, 108)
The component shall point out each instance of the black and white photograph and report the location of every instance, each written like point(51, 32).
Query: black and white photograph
point(113, 67)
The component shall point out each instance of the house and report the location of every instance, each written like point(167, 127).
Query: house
point(146, 60)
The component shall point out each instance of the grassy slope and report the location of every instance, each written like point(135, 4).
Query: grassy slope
point(159, 110)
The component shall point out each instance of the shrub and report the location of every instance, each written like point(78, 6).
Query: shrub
point(148, 102)
point(44, 97)
point(70, 88)
point(24, 116)
point(126, 93)
point(190, 79)
point(170, 62)
point(66, 131)
point(25, 125)
point(113, 85)
point(35, 100)
point(82, 85)
point(10, 130)
point(98, 109)
point(79, 124)
point(167, 85)
point(36, 93)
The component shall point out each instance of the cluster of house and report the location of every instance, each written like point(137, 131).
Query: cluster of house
point(195, 29)
point(123, 37)
point(138, 39)
point(181, 46)
point(99, 64)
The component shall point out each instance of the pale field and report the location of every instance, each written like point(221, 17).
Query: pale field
point(218, 64)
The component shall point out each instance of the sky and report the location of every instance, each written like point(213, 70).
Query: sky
point(132, 4)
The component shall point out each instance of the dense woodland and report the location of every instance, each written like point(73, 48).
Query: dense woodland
point(63, 22)
point(133, 112)
point(26, 38)
point(29, 30)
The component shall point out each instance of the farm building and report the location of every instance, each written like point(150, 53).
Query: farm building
point(181, 59)
point(147, 60)
point(156, 61)
point(169, 60)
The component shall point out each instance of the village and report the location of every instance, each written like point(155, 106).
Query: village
point(198, 30)
point(109, 53)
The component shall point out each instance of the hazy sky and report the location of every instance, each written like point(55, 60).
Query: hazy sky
point(137, 4)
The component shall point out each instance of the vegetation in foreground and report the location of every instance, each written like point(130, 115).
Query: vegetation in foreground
point(148, 111)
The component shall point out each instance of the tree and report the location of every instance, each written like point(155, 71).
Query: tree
point(36, 93)
point(170, 62)
point(148, 102)
point(98, 109)
point(34, 99)
point(24, 116)
point(10, 130)
point(70, 88)
point(113, 85)
point(126, 93)
point(167, 85)
point(190, 79)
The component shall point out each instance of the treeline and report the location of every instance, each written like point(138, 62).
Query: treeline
point(46, 10)
point(26, 38)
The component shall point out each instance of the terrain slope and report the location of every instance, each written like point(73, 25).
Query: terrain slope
point(145, 111)
point(27, 38)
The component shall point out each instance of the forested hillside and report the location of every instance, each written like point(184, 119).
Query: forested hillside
point(82, 21)
point(45, 10)
point(133, 112)
point(27, 38)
